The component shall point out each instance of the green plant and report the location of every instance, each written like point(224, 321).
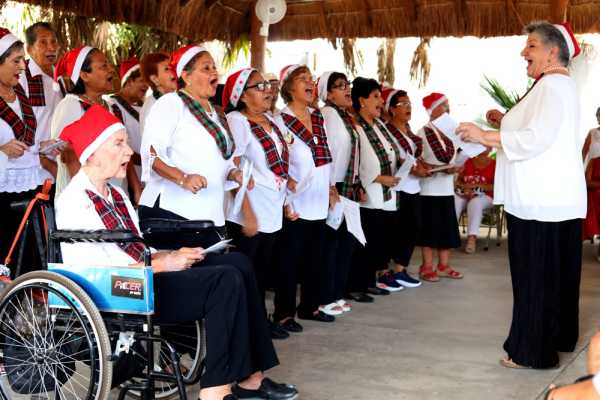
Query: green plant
point(501, 96)
point(232, 51)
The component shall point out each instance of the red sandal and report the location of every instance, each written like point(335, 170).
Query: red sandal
point(428, 274)
point(445, 271)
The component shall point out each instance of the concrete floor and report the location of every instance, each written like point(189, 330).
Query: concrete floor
point(440, 341)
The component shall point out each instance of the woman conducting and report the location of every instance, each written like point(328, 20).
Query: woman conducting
point(539, 144)
point(213, 289)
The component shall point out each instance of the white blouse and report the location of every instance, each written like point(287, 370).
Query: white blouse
point(75, 210)
point(440, 183)
point(312, 203)
point(339, 142)
point(411, 184)
point(268, 194)
point(180, 141)
point(23, 173)
point(43, 115)
point(145, 110)
point(371, 169)
point(68, 111)
point(539, 169)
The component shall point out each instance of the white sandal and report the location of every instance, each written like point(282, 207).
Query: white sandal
point(332, 309)
point(345, 305)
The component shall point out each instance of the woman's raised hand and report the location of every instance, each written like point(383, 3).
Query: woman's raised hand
point(494, 118)
point(387, 180)
point(14, 148)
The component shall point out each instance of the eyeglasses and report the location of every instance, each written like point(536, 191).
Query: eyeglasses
point(261, 86)
point(342, 86)
point(403, 104)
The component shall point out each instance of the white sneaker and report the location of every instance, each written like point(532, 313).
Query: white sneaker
point(389, 288)
point(345, 306)
point(332, 309)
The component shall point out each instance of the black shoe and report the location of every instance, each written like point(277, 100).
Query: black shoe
point(277, 332)
point(378, 291)
point(230, 397)
point(319, 316)
point(290, 325)
point(268, 390)
point(360, 297)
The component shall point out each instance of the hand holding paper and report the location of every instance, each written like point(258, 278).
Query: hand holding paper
point(448, 126)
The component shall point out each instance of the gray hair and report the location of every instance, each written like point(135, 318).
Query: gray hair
point(551, 37)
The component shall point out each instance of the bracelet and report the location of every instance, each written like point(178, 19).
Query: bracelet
point(182, 180)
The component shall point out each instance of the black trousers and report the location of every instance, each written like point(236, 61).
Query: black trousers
point(9, 224)
point(340, 247)
point(259, 248)
point(407, 228)
point(300, 261)
point(545, 267)
point(378, 226)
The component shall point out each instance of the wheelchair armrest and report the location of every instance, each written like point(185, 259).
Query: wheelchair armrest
point(96, 236)
point(166, 225)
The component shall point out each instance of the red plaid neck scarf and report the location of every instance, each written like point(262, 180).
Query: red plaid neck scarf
point(385, 164)
point(316, 141)
point(35, 84)
point(130, 110)
point(23, 129)
point(116, 216)
point(278, 164)
point(442, 155)
point(351, 185)
point(224, 140)
point(113, 108)
point(404, 137)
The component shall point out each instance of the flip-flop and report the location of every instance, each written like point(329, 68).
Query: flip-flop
point(508, 363)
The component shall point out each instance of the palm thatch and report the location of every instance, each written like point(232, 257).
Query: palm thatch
point(228, 20)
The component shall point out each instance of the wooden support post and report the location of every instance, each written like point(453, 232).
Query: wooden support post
point(558, 11)
point(258, 43)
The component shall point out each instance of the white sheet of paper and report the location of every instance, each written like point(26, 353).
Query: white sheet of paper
point(404, 170)
point(217, 247)
point(335, 216)
point(448, 125)
point(352, 215)
point(230, 185)
point(246, 167)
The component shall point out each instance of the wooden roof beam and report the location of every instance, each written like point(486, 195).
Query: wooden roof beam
point(558, 10)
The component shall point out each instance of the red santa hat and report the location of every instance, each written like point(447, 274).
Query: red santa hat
point(88, 133)
point(182, 56)
point(7, 39)
point(73, 60)
point(60, 69)
point(567, 32)
point(387, 93)
point(127, 68)
point(287, 71)
point(432, 101)
point(322, 85)
point(234, 86)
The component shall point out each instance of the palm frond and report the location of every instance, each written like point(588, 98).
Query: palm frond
point(504, 98)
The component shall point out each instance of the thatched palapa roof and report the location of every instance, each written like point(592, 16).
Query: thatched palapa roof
point(227, 20)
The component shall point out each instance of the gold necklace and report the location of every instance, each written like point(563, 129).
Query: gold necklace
point(554, 68)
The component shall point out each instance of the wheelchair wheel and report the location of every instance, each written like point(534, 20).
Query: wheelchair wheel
point(53, 342)
point(189, 341)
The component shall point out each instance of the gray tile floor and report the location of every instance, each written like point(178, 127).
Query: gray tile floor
point(439, 341)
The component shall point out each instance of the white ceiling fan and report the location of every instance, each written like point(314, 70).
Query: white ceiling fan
point(269, 12)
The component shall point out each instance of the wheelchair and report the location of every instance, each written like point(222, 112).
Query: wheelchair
point(76, 332)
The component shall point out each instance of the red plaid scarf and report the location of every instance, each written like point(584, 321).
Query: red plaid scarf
point(351, 185)
point(23, 129)
point(385, 164)
point(35, 84)
point(402, 139)
point(442, 155)
point(113, 108)
point(130, 110)
point(278, 164)
point(316, 141)
point(116, 216)
point(224, 140)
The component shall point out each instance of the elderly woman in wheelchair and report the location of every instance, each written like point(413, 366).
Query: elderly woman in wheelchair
point(187, 284)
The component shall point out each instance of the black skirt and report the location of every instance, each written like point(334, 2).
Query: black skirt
point(439, 227)
point(545, 267)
